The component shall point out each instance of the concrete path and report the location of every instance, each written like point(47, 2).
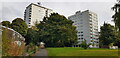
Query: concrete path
point(42, 52)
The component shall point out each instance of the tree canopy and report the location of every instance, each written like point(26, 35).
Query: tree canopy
point(57, 31)
point(116, 16)
point(20, 26)
point(107, 34)
point(116, 20)
point(32, 36)
point(6, 23)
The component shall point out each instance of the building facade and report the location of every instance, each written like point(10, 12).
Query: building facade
point(0, 41)
point(35, 13)
point(87, 27)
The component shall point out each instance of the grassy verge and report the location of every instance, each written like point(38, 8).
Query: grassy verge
point(71, 51)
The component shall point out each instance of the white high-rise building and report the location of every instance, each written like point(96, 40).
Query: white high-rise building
point(35, 13)
point(87, 27)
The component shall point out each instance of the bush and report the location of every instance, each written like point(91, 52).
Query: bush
point(31, 49)
point(84, 45)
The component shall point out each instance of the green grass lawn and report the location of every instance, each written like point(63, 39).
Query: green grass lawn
point(76, 51)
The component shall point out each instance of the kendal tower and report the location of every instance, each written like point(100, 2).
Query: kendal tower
point(87, 27)
point(34, 13)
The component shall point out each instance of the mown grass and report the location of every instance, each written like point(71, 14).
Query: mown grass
point(71, 51)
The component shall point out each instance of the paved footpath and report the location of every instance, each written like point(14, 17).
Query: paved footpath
point(42, 52)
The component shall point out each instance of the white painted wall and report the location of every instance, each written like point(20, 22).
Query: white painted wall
point(37, 14)
point(82, 22)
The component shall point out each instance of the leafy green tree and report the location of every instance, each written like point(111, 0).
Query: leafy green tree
point(116, 18)
point(57, 31)
point(84, 44)
point(20, 26)
point(6, 23)
point(107, 34)
point(32, 37)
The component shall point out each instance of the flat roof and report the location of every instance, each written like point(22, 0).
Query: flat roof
point(38, 6)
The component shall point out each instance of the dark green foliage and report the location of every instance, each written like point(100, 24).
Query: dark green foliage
point(6, 23)
point(116, 20)
point(107, 34)
point(57, 31)
point(84, 44)
point(116, 16)
point(31, 49)
point(32, 37)
point(20, 26)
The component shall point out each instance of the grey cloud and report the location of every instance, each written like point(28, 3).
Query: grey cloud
point(12, 10)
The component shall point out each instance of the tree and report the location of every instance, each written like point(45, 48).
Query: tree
point(107, 34)
point(116, 18)
point(32, 40)
point(32, 37)
point(6, 23)
point(57, 31)
point(84, 44)
point(20, 26)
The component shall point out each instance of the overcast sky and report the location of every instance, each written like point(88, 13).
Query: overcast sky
point(12, 9)
point(58, 0)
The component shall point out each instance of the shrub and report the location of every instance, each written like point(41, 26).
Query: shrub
point(84, 45)
point(31, 49)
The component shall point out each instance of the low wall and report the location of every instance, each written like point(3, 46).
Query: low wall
point(12, 42)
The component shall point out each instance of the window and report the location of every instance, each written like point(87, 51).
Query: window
point(90, 20)
point(91, 34)
point(81, 32)
point(30, 11)
point(29, 20)
point(90, 30)
point(81, 38)
point(24, 16)
point(90, 14)
point(29, 15)
point(90, 23)
point(81, 35)
point(30, 8)
point(29, 25)
point(97, 39)
point(90, 27)
point(78, 32)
